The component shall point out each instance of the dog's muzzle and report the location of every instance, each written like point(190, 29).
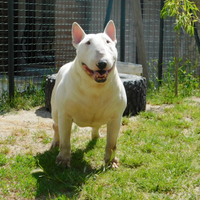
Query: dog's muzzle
point(99, 76)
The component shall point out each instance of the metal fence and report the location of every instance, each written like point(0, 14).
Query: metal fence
point(35, 36)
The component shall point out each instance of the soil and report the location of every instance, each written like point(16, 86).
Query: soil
point(31, 131)
point(21, 131)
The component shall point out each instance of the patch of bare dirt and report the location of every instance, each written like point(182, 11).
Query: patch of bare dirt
point(30, 132)
point(158, 108)
point(196, 99)
point(21, 132)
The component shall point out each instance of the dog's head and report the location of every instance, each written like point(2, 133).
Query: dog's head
point(96, 53)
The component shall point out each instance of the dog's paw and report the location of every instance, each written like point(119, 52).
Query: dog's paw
point(95, 137)
point(114, 163)
point(60, 161)
point(54, 144)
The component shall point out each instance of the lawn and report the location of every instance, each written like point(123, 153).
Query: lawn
point(159, 152)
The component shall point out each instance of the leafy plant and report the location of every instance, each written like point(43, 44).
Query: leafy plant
point(188, 84)
point(185, 13)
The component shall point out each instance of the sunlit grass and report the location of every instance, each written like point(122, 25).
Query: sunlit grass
point(159, 159)
point(158, 152)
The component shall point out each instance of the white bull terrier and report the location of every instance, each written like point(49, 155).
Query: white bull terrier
point(89, 92)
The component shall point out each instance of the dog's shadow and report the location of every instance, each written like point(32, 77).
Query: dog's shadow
point(54, 180)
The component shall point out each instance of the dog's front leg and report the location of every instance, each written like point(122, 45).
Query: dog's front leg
point(113, 128)
point(64, 125)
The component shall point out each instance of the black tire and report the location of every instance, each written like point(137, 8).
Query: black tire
point(136, 91)
point(135, 87)
point(49, 84)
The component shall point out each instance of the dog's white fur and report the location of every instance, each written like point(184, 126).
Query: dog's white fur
point(80, 96)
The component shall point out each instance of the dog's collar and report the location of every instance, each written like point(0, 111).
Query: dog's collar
point(98, 75)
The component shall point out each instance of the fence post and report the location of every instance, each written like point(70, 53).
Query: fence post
point(197, 37)
point(108, 12)
point(160, 58)
point(139, 32)
point(122, 30)
point(11, 47)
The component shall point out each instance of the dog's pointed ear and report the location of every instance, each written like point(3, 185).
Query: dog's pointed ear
point(77, 34)
point(111, 31)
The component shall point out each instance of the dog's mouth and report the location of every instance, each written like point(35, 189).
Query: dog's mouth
point(99, 76)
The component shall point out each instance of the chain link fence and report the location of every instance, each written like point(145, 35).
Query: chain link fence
point(42, 36)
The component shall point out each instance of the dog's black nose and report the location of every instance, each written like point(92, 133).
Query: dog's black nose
point(102, 64)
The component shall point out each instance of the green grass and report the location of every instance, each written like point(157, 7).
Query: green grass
point(159, 159)
point(41, 135)
point(188, 84)
point(158, 152)
point(25, 100)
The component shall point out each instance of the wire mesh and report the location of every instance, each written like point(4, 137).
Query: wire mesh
point(42, 36)
point(3, 44)
point(34, 36)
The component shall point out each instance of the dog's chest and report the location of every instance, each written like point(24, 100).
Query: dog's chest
point(92, 112)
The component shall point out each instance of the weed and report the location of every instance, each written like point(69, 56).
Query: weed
point(188, 85)
point(10, 139)
point(31, 97)
point(3, 160)
point(41, 135)
point(197, 130)
point(46, 140)
point(125, 121)
point(1, 141)
point(20, 132)
point(4, 150)
point(30, 152)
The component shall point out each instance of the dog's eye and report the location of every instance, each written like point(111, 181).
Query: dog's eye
point(88, 43)
point(107, 41)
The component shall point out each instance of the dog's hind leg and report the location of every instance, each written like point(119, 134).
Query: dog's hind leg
point(113, 128)
point(95, 133)
point(56, 140)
